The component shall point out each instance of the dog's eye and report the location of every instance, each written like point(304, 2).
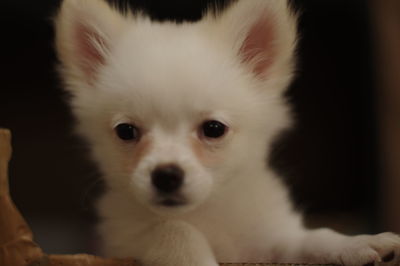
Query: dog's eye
point(127, 131)
point(213, 129)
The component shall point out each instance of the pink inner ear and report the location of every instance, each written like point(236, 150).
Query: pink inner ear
point(257, 48)
point(88, 54)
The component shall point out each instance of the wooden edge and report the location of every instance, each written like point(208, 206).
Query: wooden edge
point(5, 144)
point(90, 260)
point(5, 156)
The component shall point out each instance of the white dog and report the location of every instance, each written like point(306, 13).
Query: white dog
point(180, 118)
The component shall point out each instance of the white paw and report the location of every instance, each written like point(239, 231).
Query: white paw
point(370, 250)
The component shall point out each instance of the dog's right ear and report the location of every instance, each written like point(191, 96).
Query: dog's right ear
point(85, 32)
point(261, 33)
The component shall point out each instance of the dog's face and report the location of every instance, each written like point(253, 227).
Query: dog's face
point(175, 112)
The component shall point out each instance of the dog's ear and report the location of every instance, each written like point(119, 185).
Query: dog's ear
point(261, 32)
point(85, 31)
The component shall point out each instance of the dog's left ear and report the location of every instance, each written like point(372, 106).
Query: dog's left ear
point(85, 33)
point(262, 34)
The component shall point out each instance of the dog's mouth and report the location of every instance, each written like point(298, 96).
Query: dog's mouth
point(171, 201)
point(171, 205)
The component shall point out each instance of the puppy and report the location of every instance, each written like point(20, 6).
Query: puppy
point(180, 118)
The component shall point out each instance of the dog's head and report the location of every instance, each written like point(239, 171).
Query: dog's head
point(175, 112)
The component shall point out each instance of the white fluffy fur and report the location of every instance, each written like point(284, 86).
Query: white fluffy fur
point(168, 79)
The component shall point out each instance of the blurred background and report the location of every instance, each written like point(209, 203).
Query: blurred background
point(340, 159)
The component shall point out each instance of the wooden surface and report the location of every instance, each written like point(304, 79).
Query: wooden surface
point(17, 247)
point(89, 260)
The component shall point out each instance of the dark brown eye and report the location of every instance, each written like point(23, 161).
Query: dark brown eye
point(213, 129)
point(127, 131)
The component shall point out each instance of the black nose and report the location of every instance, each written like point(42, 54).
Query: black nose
point(167, 178)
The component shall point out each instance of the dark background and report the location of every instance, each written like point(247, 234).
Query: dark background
point(328, 158)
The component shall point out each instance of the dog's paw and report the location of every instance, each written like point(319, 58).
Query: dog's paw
point(370, 250)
